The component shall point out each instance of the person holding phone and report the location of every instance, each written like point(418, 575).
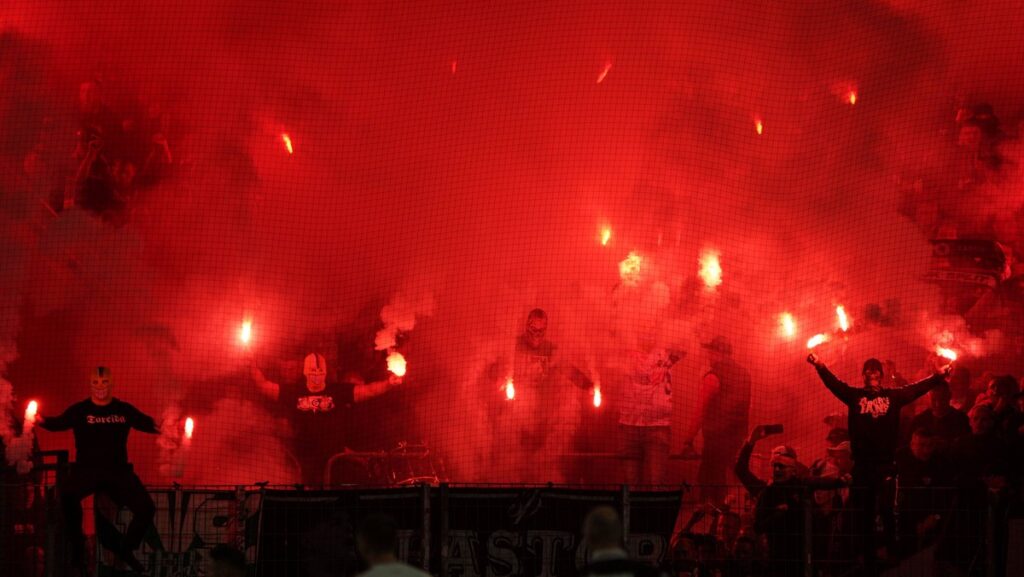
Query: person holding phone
point(781, 501)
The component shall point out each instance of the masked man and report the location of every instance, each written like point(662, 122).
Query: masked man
point(317, 412)
point(101, 425)
point(873, 421)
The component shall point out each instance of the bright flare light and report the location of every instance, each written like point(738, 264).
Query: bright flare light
point(758, 126)
point(31, 410)
point(396, 363)
point(606, 235)
point(629, 269)
point(510, 389)
point(597, 397)
point(844, 321)
point(190, 426)
point(852, 97)
point(945, 353)
point(604, 72)
point(710, 269)
point(287, 143)
point(816, 340)
point(787, 324)
point(245, 334)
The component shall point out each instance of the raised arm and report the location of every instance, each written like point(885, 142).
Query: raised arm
point(841, 390)
point(365, 392)
point(142, 422)
point(910, 393)
point(742, 468)
point(268, 388)
point(62, 422)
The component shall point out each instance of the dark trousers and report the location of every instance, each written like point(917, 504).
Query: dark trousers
point(716, 464)
point(871, 499)
point(123, 486)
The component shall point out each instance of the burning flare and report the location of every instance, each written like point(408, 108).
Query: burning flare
point(287, 143)
point(597, 397)
point(629, 269)
point(510, 389)
point(604, 72)
point(710, 269)
point(606, 235)
point(945, 353)
point(245, 333)
point(396, 363)
point(190, 426)
point(817, 340)
point(851, 97)
point(787, 324)
point(844, 321)
point(758, 126)
point(30, 411)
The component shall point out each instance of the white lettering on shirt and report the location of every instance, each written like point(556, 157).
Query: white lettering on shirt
point(94, 420)
point(874, 407)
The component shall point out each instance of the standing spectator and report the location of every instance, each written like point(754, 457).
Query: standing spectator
point(376, 540)
point(645, 416)
point(602, 537)
point(874, 415)
point(781, 503)
point(723, 413)
point(947, 424)
point(961, 396)
point(923, 471)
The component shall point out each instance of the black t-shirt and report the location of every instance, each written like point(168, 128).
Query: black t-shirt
point(874, 415)
point(318, 421)
point(101, 432)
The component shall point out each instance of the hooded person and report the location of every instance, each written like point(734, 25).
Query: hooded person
point(101, 425)
point(317, 411)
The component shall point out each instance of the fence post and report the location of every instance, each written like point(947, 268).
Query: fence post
point(443, 537)
point(808, 522)
point(990, 537)
point(425, 539)
point(625, 515)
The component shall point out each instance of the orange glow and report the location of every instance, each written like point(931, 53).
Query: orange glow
point(945, 353)
point(190, 426)
point(396, 363)
point(758, 126)
point(287, 143)
point(604, 72)
point(245, 333)
point(597, 397)
point(844, 321)
point(510, 389)
point(787, 324)
point(629, 269)
point(31, 410)
point(710, 269)
point(606, 235)
point(816, 340)
point(852, 97)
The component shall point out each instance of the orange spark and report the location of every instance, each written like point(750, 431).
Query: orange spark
point(597, 396)
point(190, 426)
point(396, 363)
point(606, 235)
point(604, 72)
point(852, 97)
point(758, 126)
point(787, 324)
point(287, 143)
point(844, 321)
point(945, 353)
point(710, 269)
point(816, 340)
point(510, 389)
